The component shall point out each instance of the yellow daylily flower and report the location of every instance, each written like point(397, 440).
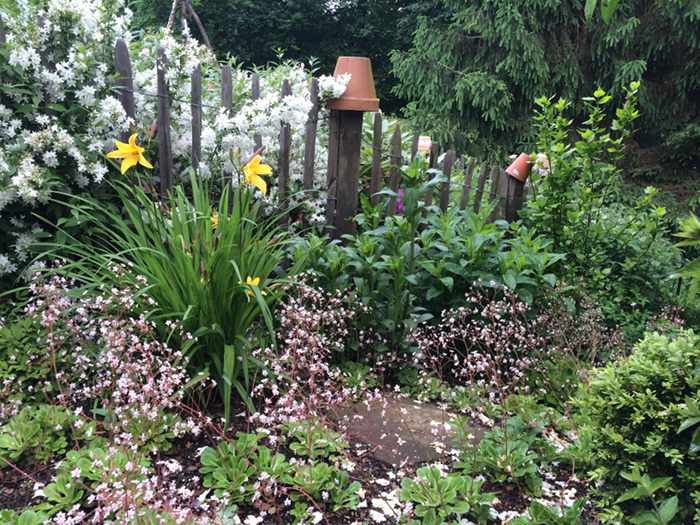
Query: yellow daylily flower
point(253, 282)
point(214, 220)
point(253, 169)
point(131, 153)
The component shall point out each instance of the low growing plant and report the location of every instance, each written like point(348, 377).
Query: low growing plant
point(41, 433)
point(539, 514)
point(437, 497)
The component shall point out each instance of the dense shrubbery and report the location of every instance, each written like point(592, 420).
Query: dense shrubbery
point(632, 411)
point(58, 119)
point(619, 254)
point(410, 267)
point(499, 323)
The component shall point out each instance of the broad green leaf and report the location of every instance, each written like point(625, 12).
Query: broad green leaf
point(668, 509)
point(589, 9)
point(607, 8)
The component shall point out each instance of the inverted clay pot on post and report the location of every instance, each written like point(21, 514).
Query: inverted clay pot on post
point(346, 142)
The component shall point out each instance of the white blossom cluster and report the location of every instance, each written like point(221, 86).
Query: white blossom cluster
point(53, 137)
point(49, 137)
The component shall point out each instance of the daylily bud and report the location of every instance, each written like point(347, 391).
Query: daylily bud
point(257, 152)
point(152, 131)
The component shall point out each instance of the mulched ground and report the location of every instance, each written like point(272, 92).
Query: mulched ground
point(18, 490)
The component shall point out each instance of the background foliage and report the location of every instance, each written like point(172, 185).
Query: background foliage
point(473, 72)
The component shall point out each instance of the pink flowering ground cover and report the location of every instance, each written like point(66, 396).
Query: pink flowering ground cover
point(115, 427)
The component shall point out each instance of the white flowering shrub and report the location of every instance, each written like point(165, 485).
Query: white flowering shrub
point(60, 113)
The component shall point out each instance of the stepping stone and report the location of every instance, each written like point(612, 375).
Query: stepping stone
point(401, 430)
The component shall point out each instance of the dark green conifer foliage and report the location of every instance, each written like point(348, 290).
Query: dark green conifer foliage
point(476, 67)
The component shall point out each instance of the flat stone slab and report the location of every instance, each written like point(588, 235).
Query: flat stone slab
point(400, 430)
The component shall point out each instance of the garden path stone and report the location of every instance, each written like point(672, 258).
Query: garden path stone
point(402, 429)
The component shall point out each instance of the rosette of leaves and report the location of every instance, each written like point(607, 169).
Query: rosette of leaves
point(229, 468)
point(41, 432)
point(507, 458)
point(313, 439)
point(27, 517)
point(311, 480)
point(437, 496)
point(87, 468)
point(357, 378)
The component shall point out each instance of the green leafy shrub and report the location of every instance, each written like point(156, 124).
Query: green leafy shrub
point(617, 251)
point(632, 412)
point(409, 267)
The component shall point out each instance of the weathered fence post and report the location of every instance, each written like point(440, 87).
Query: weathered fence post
point(414, 145)
point(478, 194)
point(394, 171)
point(447, 165)
point(499, 188)
point(285, 146)
point(514, 198)
point(464, 197)
point(432, 164)
point(227, 104)
point(196, 108)
point(344, 158)
point(124, 82)
point(332, 171)
point(255, 95)
point(227, 89)
point(310, 144)
point(165, 155)
point(376, 180)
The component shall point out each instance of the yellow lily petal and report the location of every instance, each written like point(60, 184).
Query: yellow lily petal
point(253, 282)
point(131, 153)
point(144, 162)
point(128, 162)
point(253, 169)
point(258, 183)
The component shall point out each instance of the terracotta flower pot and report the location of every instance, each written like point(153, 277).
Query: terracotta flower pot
point(360, 94)
point(424, 143)
point(520, 168)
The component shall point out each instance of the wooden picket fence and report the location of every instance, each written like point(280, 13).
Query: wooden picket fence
point(501, 186)
point(507, 189)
